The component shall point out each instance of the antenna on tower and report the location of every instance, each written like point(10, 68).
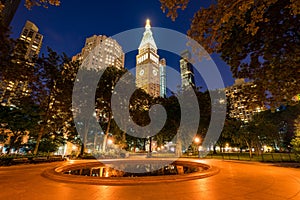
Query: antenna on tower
point(148, 23)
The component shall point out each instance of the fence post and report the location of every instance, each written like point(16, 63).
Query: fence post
point(281, 157)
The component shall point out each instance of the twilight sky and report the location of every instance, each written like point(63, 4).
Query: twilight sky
point(66, 27)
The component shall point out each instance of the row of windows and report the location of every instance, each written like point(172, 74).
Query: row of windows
point(142, 58)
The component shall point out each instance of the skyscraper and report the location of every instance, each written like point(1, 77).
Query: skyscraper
point(9, 10)
point(242, 107)
point(100, 51)
point(147, 64)
point(9, 90)
point(30, 34)
point(186, 69)
point(163, 78)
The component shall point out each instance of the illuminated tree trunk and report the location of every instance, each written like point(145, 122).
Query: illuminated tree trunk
point(38, 140)
point(106, 133)
point(178, 145)
point(249, 147)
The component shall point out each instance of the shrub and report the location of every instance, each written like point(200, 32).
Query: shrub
point(296, 147)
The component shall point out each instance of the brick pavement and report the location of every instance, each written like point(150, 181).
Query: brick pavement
point(235, 181)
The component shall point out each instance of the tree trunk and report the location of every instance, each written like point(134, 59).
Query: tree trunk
point(258, 149)
point(135, 144)
point(104, 143)
point(83, 146)
point(95, 141)
point(249, 147)
point(38, 140)
point(7, 150)
point(106, 134)
point(124, 145)
point(178, 150)
point(82, 149)
point(215, 151)
point(150, 144)
point(145, 141)
point(40, 134)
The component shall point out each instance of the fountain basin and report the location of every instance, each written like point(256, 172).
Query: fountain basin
point(111, 172)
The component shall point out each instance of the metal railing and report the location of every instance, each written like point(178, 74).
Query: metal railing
point(264, 157)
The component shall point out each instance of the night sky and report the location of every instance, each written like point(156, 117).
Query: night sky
point(66, 27)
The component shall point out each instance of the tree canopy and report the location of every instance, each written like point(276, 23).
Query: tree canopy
point(30, 3)
point(44, 3)
point(258, 39)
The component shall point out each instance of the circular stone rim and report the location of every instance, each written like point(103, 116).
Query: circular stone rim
point(56, 174)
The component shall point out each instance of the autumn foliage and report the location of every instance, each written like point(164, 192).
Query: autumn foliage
point(259, 40)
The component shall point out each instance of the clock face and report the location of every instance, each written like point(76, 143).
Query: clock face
point(154, 72)
point(141, 72)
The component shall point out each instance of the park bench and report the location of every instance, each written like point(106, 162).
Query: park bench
point(55, 158)
point(39, 159)
point(20, 160)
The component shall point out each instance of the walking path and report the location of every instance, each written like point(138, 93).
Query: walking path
point(235, 181)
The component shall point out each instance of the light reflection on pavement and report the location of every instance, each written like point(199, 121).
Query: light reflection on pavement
point(236, 180)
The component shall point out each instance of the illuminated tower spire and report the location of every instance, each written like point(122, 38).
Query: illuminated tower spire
point(147, 37)
point(147, 64)
point(148, 26)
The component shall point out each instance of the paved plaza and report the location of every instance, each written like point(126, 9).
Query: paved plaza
point(235, 181)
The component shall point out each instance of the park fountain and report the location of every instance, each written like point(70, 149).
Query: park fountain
point(130, 171)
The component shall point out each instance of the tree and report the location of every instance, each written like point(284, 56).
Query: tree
point(240, 32)
point(171, 126)
point(104, 91)
point(50, 143)
point(230, 133)
point(6, 43)
point(139, 106)
point(296, 140)
point(52, 90)
point(30, 3)
point(18, 121)
point(1, 6)
point(254, 134)
point(44, 3)
point(264, 130)
point(284, 120)
point(14, 64)
point(90, 113)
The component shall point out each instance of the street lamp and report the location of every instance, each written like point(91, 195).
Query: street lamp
point(197, 142)
point(109, 141)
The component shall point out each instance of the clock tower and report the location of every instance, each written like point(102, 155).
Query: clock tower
point(147, 64)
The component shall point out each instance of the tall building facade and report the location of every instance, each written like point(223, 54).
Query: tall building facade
point(186, 69)
point(9, 10)
point(9, 90)
point(30, 34)
point(163, 77)
point(147, 64)
point(242, 107)
point(100, 51)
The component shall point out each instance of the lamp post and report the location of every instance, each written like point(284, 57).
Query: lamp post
point(149, 154)
point(197, 142)
point(109, 141)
